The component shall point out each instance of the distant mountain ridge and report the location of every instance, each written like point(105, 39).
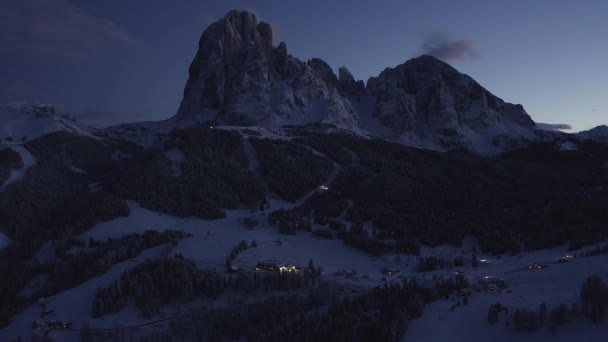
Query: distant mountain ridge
point(21, 121)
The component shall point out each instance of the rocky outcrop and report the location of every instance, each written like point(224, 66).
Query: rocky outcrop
point(239, 78)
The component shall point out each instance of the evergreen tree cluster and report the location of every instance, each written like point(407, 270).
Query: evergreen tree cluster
point(597, 250)
point(289, 221)
point(76, 261)
point(9, 160)
point(593, 305)
point(290, 170)
point(323, 233)
point(433, 263)
point(96, 257)
point(319, 314)
point(214, 176)
point(594, 298)
point(523, 320)
point(235, 251)
point(161, 281)
point(506, 202)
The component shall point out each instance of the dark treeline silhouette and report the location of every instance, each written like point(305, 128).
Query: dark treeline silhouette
point(236, 250)
point(433, 263)
point(9, 160)
point(75, 262)
point(214, 176)
point(593, 305)
point(320, 313)
point(507, 202)
point(289, 169)
point(161, 281)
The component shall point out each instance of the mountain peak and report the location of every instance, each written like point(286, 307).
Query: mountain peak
point(242, 27)
point(239, 78)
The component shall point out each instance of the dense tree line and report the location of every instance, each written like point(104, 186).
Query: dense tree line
point(53, 201)
point(433, 263)
point(319, 314)
point(82, 262)
point(290, 170)
point(161, 281)
point(236, 250)
point(9, 160)
point(323, 206)
point(75, 262)
point(336, 152)
point(289, 221)
point(593, 305)
point(506, 202)
point(596, 250)
point(214, 176)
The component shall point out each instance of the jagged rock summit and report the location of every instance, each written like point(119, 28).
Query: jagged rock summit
point(238, 77)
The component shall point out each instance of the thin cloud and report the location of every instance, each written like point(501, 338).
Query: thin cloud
point(449, 50)
point(57, 28)
point(553, 127)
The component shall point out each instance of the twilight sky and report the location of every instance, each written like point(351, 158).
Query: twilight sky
point(115, 61)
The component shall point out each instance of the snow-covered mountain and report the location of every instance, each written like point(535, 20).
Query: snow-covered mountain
point(239, 78)
point(599, 134)
point(427, 103)
point(21, 122)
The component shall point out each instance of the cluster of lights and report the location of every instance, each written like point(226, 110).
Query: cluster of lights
point(288, 268)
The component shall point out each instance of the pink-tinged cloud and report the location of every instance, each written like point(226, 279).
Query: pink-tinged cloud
point(449, 50)
point(57, 28)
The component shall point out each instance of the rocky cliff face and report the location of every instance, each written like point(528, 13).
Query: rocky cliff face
point(239, 78)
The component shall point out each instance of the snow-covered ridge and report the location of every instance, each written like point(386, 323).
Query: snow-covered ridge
point(599, 134)
point(21, 122)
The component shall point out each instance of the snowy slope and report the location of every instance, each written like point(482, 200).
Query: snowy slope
point(21, 122)
point(558, 283)
point(73, 305)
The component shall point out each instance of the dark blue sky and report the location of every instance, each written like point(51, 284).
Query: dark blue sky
point(122, 60)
